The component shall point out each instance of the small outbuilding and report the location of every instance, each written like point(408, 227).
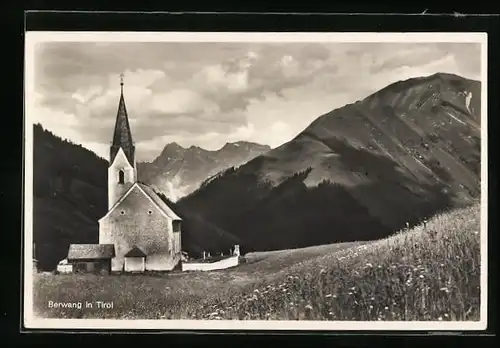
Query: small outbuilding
point(91, 258)
point(64, 266)
point(135, 260)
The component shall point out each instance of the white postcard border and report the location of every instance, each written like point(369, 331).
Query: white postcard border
point(34, 37)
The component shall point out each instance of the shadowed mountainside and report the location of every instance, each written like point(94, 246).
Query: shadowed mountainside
point(69, 196)
point(359, 172)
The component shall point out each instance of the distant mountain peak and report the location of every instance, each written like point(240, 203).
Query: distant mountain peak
point(456, 81)
point(173, 145)
point(180, 170)
point(244, 143)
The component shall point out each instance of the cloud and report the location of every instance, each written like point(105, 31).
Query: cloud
point(207, 94)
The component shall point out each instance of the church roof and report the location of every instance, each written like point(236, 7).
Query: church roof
point(91, 251)
point(135, 252)
point(152, 196)
point(122, 136)
point(159, 202)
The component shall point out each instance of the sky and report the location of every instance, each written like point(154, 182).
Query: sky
point(207, 94)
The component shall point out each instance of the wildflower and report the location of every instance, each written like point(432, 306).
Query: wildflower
point(440, 318)
point(334, 296)
point(421, 276)
point(446, 315)
point(291, 303)
point(328, 295)
point(371, 307)
point(309, 307)
point(322, 271)
point(256, 291)
point(445, 289)
point(442, 265)
point(330, 313)
point(373, 299)
point(350, 293)
point(369, 265)
point(386, 308)
point(353, 288)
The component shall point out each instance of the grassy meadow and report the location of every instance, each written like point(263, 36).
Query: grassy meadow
point(427, 273)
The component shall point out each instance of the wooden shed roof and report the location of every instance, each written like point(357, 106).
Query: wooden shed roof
point(91, 251)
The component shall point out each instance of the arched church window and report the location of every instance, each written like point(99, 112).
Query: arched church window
point(121, 177)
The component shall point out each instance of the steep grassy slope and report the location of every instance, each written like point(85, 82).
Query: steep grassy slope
point(428, 273)
point(366, 169)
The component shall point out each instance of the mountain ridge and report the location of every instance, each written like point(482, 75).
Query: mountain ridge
point(403, 153)
point(179, 170)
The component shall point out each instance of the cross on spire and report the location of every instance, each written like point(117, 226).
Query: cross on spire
point(122, 137)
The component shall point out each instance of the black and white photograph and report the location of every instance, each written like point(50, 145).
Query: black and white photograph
point(256, 181)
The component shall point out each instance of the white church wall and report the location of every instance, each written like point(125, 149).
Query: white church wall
point(137, 221)
point(115, 189)
point(177, 242)
point(162, 262)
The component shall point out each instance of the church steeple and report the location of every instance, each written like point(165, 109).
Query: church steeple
point(122, 136)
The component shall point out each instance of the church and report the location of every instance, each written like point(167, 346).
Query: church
point(140, 232)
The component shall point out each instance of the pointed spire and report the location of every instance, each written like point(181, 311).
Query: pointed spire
point(122, 136)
